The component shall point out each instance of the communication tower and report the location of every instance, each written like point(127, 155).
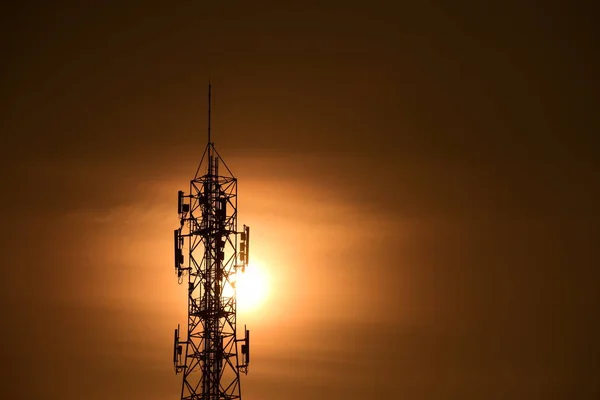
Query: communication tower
point(209, 252)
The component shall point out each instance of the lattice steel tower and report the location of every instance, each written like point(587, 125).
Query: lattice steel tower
point(207, 254)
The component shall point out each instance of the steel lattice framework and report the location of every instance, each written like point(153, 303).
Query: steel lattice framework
point(209, 236)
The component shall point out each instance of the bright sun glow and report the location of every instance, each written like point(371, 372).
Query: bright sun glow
point(252, 288)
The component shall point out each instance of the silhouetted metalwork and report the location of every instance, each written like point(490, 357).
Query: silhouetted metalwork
point(209, 251)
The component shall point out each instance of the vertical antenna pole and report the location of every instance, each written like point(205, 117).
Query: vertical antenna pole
point(209, 90)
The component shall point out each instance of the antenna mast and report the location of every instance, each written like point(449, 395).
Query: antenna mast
point(209, 105)
point(214, 252)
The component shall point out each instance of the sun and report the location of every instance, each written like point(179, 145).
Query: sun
point(252, 287)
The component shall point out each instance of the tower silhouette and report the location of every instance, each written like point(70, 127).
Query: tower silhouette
point(209, 253)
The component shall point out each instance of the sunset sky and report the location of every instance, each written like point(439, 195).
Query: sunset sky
point(421, 179)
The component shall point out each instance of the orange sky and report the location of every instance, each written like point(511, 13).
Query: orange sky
point(418, 179)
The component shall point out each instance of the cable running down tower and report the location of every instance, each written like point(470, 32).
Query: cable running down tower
point(209, 252)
